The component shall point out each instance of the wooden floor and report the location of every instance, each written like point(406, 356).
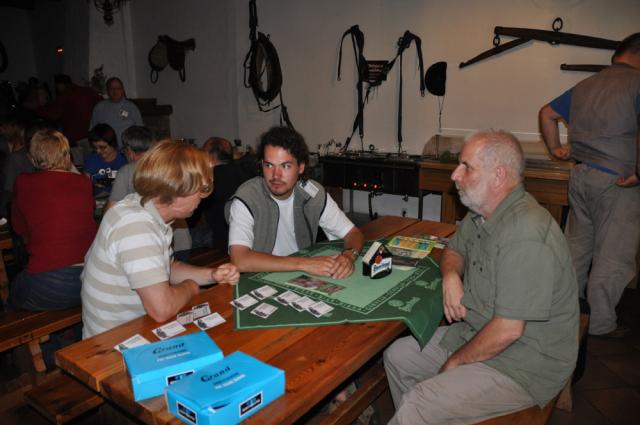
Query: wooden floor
point(607, 394)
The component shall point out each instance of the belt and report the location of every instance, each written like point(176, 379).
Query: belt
point(600, 168)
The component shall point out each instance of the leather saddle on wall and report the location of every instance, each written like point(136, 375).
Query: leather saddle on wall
point(168, 51)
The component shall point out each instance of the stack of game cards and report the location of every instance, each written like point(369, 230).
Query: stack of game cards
point(200, 315)
point(287, 298)
point(263, 310)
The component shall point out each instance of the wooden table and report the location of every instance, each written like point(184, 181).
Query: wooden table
point(548, 186)
point(316, 360)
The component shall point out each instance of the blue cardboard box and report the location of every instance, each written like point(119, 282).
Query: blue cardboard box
point(226, 392)
point(152, 367)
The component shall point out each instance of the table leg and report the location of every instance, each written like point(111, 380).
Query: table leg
point(448, 208)
point(36, 355)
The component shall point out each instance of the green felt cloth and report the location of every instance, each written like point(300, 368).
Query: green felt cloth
point(413, 295)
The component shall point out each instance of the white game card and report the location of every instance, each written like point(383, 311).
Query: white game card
point(302, 303)
point(200, 310)
point(244, 301)
point(185, 317)
point(264, 292)
point(209, 321)
point(319, 309)
point(264, 310)
point(135, 341)
point(287, 297)
point(169, 330)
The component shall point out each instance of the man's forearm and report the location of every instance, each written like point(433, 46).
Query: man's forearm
point(492, 339)
point(354, 240)
point(247, 260)
point(182, 271)
point(163, 300)
point(451, 262)
point(549, 128)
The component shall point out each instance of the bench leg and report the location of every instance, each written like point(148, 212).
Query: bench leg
point(368, 392)
point(36, 356)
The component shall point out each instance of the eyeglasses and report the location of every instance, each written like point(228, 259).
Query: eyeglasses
point(206, 190)
point(101, 147)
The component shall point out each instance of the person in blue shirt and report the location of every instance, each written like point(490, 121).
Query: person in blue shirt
point(102, 165)
point(602, 113)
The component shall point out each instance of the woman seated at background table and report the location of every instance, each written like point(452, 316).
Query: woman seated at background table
point(52, 209)
point(103, 164)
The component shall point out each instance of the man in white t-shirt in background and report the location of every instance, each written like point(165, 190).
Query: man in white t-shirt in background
point(277, 214)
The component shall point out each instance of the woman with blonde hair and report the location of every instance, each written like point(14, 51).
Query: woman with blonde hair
point(52, 209)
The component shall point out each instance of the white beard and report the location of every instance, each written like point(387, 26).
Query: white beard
point(474, 198)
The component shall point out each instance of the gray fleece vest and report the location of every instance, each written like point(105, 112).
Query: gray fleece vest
point(603, 121)
point(307, 210)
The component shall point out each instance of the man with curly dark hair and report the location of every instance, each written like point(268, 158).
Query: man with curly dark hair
point(276, 214)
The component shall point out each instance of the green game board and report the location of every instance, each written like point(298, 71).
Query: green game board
point(412, 295)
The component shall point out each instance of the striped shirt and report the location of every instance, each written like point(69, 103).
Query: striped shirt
point(132, 250)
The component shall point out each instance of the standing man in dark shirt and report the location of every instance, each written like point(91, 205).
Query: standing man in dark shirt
point(72, 108)
point(117, 111)
point(603, 233)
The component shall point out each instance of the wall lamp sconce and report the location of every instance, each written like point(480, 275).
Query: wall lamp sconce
point(108, 8)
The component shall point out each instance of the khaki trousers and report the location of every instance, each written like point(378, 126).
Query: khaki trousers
point(603, 232)
point(463, 395)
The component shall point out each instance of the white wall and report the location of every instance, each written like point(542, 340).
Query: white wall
point(503, 92)
point(206, 103)
point(111, 47)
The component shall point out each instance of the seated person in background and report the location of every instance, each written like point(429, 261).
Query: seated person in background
point(129, 271)
point(227, 177)
point(102, 165)
point(278, 213)
point(52, 209)
point(15, 163)
point(516, 340)
point(137, 140)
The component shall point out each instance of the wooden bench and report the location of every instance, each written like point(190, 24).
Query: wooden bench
point(61, 399)
point(31, 328)
point(535, 415)
point(377, 383)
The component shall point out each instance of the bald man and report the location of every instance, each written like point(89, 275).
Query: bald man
point(509, 287)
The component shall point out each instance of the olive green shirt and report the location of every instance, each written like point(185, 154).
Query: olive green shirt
point(517, 266)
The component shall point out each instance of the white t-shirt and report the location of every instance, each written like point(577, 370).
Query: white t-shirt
point(333, 221)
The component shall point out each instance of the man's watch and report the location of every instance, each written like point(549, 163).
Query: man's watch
point(354, 253)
